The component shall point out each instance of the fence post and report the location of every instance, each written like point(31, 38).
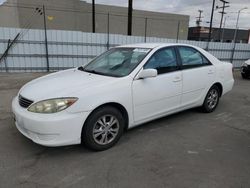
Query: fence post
point(178, 30)
point(108, 33)
point(5, 58)
point(46, 40)
point(145, 31)
point(232, 54)
point(207, 47)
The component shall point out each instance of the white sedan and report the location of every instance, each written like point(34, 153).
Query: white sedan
point(120, 89)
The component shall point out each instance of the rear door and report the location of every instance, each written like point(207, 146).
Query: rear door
point(197, 72)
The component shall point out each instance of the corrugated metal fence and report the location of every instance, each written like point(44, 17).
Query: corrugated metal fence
point(73, 48)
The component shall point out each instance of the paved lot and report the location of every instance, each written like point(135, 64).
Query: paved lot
point(186, 150)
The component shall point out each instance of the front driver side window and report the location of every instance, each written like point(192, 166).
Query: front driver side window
point(163, 61)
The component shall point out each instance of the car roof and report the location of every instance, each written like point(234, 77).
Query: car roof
point(162, 45)
point(152, 45)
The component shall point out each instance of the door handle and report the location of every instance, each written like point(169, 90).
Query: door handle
point(177, 79)
point(210, 72)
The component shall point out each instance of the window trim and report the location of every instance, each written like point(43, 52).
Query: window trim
point(178, 67)
point(183, 67)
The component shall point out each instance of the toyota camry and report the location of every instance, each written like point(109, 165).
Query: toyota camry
point(120, 89)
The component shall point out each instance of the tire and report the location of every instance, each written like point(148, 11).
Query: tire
point(244, 76)
point(212, 99)
point(103, 128)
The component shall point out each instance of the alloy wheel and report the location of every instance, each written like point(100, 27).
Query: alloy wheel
point(212, 99)
point(106, 129)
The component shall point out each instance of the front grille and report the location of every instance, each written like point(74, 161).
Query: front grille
point(23, 102)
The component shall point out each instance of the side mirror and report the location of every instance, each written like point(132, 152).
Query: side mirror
point(147, 73)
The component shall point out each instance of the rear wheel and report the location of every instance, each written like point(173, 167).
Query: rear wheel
point(212, 99)
point(103, 128)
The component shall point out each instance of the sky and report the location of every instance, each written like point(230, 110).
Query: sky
point(190, 7)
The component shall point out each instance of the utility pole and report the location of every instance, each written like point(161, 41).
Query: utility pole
point(46, 39)
point(130, 9)
point(42, 12)
point(198, 21)
point(223, 30)
point(235, 34)
point(222, 13)
point(211, 22)
point(93, 16)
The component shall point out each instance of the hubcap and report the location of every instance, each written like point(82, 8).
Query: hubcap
point(105, 129)
point(212, 98)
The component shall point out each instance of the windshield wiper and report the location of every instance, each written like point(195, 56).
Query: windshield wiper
point(90, 71)
point(95, 72)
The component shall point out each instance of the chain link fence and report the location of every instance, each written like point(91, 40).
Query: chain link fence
point(74, 48)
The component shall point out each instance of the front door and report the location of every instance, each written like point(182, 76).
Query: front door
point(155, 97)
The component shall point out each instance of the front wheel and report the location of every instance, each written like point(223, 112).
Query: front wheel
point(103, 128)
point(212, 99)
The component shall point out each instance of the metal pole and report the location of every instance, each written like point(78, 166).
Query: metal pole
point(198, 21)
point(93, 16)
point(5, 58)
point(222, 14)
point(145, 32)
point(178, 28)
point(236, 27)
point(9, 46)
point(46, 39)
point(130, 9)
point(211, 22)
point(108, 33)
point(223, 30)
point(235, 34)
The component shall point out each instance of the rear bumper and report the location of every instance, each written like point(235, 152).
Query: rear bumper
point(228, 86)
point(57, 129)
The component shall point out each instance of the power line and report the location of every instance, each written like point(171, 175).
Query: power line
point(198, 21)
point(30, 5)
point(237, 12)
point(225, 5)
point(27, 26)
point(211, 21)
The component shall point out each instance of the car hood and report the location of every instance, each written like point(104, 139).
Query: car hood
point(63, 84)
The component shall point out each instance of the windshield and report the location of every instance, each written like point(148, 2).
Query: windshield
point(117, 62)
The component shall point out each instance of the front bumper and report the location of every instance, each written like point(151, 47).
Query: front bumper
point(58, 129)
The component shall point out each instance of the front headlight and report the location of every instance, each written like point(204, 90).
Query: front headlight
point(52, 105)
